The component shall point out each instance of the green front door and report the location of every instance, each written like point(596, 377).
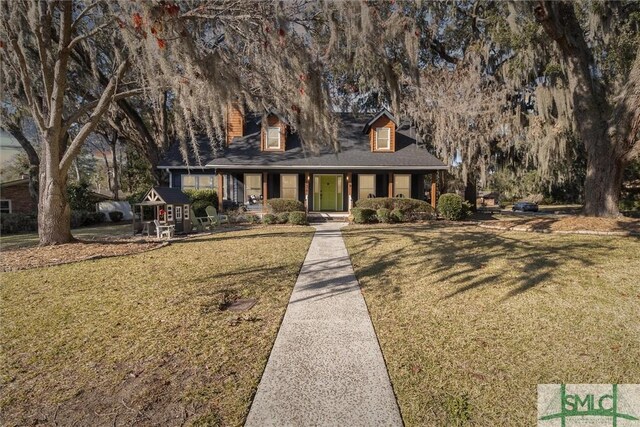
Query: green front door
point(328, 193)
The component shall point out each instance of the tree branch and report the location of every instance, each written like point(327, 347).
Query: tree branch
point(83, 14)
point(81, 37)
point(26, 83)
point(84, 109)
point(103, 104)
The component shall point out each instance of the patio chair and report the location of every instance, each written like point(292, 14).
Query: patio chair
point(164, 230)
point(215, 217)
point(200, 222)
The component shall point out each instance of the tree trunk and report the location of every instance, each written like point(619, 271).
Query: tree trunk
point(115, 186)
point(602, 186)
point(591, 108)
point(54, 212)
point(471, 192)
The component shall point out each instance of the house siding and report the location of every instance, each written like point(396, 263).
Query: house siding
point(235, 123)
point(21, 201)
point(274, 121)
point(383, 122)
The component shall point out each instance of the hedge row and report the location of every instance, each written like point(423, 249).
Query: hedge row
point(285, 205)
point(391, 209)
point(294, 218)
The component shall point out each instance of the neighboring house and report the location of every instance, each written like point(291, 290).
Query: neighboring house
point(379, 157)
point(488, 199)
point(15, 197)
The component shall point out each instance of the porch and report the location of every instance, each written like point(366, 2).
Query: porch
point(330, 191)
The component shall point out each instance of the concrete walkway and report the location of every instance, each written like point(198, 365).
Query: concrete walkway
point(326, 367)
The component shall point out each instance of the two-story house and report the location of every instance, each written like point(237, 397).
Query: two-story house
point(379, 157)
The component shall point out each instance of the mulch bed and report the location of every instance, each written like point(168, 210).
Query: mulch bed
point(569, 225)
point(34, 257)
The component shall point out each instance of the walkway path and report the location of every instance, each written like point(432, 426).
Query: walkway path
point(326, 367)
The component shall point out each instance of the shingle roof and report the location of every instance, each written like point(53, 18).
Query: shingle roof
point(244, 152)
point(172, 195)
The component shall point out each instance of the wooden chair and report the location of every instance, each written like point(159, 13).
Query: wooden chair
point(164, 230)
point(200, 222)
point(216, 218)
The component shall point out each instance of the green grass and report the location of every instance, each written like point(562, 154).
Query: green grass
point(470, 321)
point(141, 339)
point(22, 240)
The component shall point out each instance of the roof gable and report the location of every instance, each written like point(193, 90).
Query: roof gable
point(383, 112)
point(167, 195)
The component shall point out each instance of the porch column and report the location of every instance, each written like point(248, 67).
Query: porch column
point(349, 191)
point(390, 191)
point(220, 192)
point(433, 189)
point(265, 176)
point(307, 180)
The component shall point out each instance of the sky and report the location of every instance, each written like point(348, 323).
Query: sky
point(9, 147)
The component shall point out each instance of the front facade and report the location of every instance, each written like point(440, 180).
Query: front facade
point(379, 158)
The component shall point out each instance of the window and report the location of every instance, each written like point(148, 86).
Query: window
point(169, 212)
point(402, 186)
point(186, 211)
point(198, 182)
point(253, 188)
point(289, 186)
point(383, 139)
point(5, 206)
point(178, 213)
point(366, 186)
point(273, 138)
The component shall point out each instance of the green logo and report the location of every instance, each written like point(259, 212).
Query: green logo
point(588, 404)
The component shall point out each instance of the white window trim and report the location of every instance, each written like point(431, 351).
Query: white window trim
point(179, 213)
point(186, 211)
point(270, 128)
point(395, 186)
point(10, 205)
point(360, 184)
point(169, 212)
point(197, 182)
point(388, 148)
point(295, 176)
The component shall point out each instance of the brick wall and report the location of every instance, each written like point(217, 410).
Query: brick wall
point(21, 201)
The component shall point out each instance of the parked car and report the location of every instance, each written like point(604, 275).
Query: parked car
point(525, 207)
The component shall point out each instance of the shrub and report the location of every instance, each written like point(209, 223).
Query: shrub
point(252, 218)
point(95, 218)
point(78, 218)
point(363, 215)
point(298, 218)
point(397, 215)
point(384, 215)
point(80, 197)
point(18, 223)
point(407, 206)
point(269, 219)
point(451, 207)
point(285, 205)
point(200, 199)
point(282, 217)
point(116, 216)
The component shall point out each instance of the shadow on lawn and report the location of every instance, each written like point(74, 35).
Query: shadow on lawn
point(458, 255)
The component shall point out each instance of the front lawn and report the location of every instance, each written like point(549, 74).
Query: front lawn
point(470, 320)
point(106, 230)
point(142, 339)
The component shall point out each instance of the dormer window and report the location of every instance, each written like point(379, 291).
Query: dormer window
point(383, 138)
point(273, 138)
